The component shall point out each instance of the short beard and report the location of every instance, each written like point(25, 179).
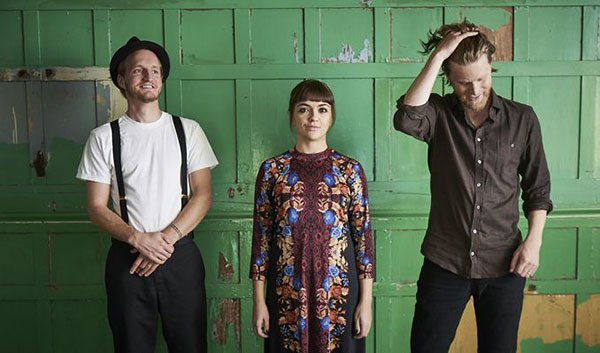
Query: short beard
point(142, 97)
point(477, 106)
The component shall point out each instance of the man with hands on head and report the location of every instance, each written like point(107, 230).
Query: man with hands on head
point(145, 162)
point(482, 150)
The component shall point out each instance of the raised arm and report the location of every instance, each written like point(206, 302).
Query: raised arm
point(421, 88)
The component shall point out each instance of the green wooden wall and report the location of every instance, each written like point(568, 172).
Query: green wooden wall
point(233, 65)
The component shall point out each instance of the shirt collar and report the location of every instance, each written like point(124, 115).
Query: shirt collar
point(495, 106)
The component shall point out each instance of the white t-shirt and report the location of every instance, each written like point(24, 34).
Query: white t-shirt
point(151, 162)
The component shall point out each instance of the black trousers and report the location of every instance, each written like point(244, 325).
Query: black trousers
point(441, 300)
point(175, 291)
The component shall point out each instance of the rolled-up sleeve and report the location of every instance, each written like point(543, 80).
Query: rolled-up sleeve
point(533, 168)
point(417, 121)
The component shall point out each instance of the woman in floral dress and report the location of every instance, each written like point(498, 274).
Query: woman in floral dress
point(312, 242)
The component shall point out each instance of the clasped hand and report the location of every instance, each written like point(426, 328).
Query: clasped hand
point(153, 251)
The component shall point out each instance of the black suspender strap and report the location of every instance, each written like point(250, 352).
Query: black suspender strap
point(116, 143)
point(183, 170)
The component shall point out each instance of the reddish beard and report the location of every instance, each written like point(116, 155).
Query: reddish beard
point(478, 105)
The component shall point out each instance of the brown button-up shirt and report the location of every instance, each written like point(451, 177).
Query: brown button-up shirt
point(475, 182)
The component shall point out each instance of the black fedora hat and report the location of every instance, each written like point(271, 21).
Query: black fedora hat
point(131, 46)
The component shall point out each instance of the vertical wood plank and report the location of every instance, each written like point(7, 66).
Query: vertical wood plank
point(172, 94)
point(31, 37)
point(382, 50)
point(312, 35)
point(242, 35)
point(172, 36)
point(101, 24)
point(383, 129)
point(589, 141)
point(42, 280)
point(243, 95)
point(521, 33)
point(591, 33)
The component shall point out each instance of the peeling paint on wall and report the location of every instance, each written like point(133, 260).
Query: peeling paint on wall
point(91, 73)
point(118, 103)
point(15, 131)
point(100, 99)
point(347, 54)
point(588, 321)
point(502, 38)
point(549, 318)
point(296, 48)
point(225, 268)
point(229, 313)
point(466, 337)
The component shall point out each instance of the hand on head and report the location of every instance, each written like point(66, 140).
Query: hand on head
point(448, 44)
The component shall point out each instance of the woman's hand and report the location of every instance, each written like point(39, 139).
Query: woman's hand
point(260, 319)
point(362, 319)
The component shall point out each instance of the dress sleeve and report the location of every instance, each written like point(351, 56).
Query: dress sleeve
point(263, 222)
point(360, 223)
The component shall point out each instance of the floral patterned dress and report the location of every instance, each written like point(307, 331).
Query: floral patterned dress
point(312, 242)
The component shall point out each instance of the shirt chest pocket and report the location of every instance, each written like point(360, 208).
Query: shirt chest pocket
point(507, 158)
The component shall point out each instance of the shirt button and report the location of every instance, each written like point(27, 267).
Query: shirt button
point(478, 139)
point(478, 185)
point(478, 207)
point(479, 161)
point(472, 253)
point(474, 231)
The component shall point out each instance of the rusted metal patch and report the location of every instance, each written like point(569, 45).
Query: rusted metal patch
point(56, 74)
point(229, 313)
point(225, 268)
point(588, 321)
point(231, 192)
point(40, 163)
point(347, 54)
point(19, 75)
point(76, 74)
point(502, 37)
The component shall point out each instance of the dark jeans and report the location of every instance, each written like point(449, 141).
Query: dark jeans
point(175, 291)
point(441, 300)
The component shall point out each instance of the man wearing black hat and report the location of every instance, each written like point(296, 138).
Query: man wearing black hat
point(145, 161)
